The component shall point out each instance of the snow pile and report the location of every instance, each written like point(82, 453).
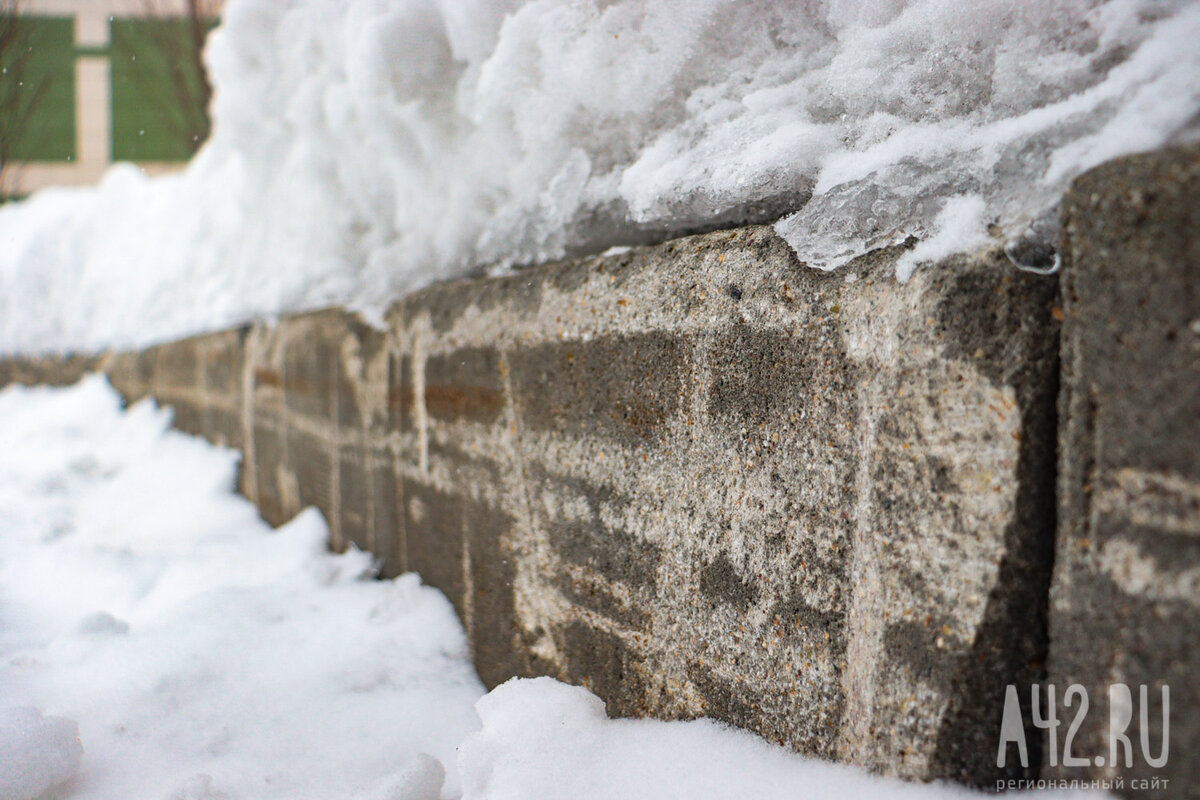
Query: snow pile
point(366, 147)
point(202, 655)
point(36, 754)
point(543, 739)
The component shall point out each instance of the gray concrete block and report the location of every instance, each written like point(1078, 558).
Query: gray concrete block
point(311, 349)
point(222, 368)
point(178, 382)
point(131, 374)
point(265, 481)
point(698, 478)
point(464, 384)
point(710, 481)
point(1127, 573)
point(702, 479)
point(387, 539)
point(57, 370)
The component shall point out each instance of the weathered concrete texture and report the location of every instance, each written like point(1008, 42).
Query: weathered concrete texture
point(315, 415)
point(704, 480)
point(1126, 588)
point(699, 478)
point(50, 371)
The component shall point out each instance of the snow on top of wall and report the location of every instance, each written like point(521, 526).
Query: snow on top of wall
point(363, 148)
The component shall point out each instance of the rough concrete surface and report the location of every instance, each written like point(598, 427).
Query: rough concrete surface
point(50, 370)
point(710, 481)
point(699, 478)
point(703, 479)
point(1126, 588)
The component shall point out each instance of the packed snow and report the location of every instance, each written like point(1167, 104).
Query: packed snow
point(151, 622)
point(366, 147)
point(158, 640)
point(544, 739)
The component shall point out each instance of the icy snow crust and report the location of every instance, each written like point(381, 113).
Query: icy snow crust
point(366, 147)
point(158, 640)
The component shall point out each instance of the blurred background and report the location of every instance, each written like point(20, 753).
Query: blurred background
point(86, 83)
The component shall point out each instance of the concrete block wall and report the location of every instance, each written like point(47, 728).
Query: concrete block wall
point(709, 481)
point(703, 479)
point(1126, 590)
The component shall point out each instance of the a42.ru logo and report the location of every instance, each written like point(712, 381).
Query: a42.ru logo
point(1121, 712)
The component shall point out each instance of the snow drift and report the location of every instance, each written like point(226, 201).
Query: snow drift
point(179, 647)
point(366, 147)
point(541, 738)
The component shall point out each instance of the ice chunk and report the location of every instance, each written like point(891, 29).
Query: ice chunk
point(958, 227)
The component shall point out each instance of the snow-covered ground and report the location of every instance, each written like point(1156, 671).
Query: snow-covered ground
point(365, 147)
point(202, 654)
point(158, 640)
